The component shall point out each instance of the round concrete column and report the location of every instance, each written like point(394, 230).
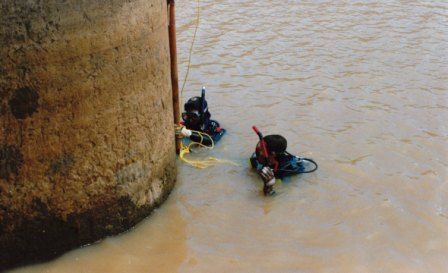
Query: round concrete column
point(86, 140)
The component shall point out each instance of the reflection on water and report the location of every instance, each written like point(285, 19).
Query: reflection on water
point(361, 87)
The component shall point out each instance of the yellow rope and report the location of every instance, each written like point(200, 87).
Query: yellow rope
point(205, 163)
point(191, 51)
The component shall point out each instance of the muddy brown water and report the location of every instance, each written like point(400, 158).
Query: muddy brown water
point(359, 86)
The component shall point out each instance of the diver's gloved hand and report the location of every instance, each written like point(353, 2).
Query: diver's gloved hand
point(185, 132)
point(182, 131)
point(267, 174)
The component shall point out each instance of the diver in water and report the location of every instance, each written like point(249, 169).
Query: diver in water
point(196, 120)
point(271, 160)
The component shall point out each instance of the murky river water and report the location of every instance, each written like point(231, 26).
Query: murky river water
point(361, 87)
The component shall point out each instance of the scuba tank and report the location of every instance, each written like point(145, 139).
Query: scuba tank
point(204, 113)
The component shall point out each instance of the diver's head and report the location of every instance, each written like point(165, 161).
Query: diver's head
point(276, 144)
point(196, 113)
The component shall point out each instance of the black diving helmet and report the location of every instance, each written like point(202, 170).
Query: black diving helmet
point(191, 118)
point(196, 112)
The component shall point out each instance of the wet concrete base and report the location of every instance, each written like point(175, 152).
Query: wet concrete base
point(47, 236)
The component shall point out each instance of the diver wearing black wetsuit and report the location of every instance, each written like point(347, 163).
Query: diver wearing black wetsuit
point(197, 118)
point(279, 163)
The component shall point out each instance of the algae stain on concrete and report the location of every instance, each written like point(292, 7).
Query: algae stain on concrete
point(24, 102)
point(134, 181)
point(62, 165)
point(11, 159)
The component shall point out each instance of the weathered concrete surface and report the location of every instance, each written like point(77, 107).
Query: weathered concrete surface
point(86, 140)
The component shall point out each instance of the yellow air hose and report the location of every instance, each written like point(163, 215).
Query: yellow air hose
point(191, 47)
point(205, 163)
